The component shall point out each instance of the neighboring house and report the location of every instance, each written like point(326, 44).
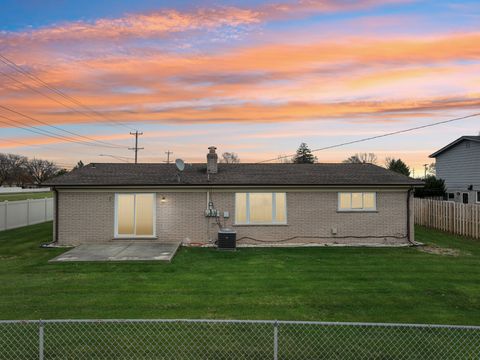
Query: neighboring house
point(458, 164)
point(267, 204)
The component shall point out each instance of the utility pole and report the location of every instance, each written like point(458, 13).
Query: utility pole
point(168, 152)
point(425, 166)
point(136, 148)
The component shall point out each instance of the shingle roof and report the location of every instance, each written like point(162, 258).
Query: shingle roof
point(453, 143)
point(113, 174)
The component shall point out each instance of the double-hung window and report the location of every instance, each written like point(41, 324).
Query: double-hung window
point(257, 208)
point(357, 201)
point(134, 215)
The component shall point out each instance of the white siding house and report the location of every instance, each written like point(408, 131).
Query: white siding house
point(458, 164)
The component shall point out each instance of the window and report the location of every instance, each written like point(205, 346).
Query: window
point(451, 196)
point(478, 196)
point(357, 201)
point(134, 215)
point(260, 208)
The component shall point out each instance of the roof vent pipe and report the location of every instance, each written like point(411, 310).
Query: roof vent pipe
point(212, 160)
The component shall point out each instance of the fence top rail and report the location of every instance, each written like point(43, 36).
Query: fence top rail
point(272, 322)
point(12, 202)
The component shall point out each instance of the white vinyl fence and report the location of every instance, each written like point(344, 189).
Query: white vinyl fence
point(16, 189)
point(14, 214)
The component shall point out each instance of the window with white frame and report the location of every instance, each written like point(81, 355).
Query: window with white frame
point(134, 215)
point(257, 208)
point(357, 201)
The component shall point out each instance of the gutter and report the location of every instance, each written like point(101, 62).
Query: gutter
point(239, 186)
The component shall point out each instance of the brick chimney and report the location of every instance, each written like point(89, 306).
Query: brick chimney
point(212, 160)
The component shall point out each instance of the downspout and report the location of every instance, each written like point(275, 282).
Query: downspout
point(408, 217)
point(55, 240)
point(55, 222)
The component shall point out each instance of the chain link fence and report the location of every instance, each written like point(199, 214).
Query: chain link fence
point(232, 339)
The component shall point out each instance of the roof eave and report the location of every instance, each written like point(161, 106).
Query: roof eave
point(453, 143)
point(406, 185)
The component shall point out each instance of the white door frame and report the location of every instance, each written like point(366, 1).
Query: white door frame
point(134, 236)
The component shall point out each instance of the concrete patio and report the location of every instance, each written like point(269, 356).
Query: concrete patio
point(125, 251)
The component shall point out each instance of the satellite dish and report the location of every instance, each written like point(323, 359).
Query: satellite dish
point(180, 164)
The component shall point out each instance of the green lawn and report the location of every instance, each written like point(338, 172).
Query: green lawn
point(330, 284)
point(25, 196)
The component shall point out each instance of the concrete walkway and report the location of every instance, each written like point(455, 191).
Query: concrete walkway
point(124, 251)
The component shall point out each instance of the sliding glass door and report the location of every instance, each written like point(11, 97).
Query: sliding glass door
point(134, 215)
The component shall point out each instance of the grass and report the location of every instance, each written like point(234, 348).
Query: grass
point(25, 196)
point(331, 284)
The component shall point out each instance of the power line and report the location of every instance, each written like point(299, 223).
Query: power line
point(32, 129)
point(49, 97)
point(45, 132)
point(61, 164)
point(136, 148)
point(39, 92)
point(378, 136)
point(36, 145)
point(42, 122)
point(61, 129)
point(61, 93)
point(121, 158)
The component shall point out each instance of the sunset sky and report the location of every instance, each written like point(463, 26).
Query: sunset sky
point(256, 78)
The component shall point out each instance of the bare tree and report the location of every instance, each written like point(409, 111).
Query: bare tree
point(4, 168)
point(284, 159)
point(12, 169)
point(432, 169)
point(362, 158)
point(229, 158)
point(41, 170)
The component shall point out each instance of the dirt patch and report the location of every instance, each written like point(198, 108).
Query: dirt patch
point(437, 250)
point(5, 257)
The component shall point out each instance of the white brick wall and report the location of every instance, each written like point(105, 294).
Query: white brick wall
point(86, 217)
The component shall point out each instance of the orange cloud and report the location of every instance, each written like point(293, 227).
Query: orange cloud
point(284, 112)
point(345, 78)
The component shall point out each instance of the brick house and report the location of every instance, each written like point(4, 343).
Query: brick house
point(266, 204)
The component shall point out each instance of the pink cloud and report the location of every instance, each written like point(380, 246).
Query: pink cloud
point(162, 23)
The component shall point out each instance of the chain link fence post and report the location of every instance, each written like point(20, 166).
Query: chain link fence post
point(275, 340)
point(40, 339)
point(137, 339)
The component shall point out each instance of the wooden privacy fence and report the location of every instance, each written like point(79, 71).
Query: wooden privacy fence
point(457, 218)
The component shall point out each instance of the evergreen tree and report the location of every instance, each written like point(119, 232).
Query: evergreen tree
point(61, 172)
point(79, 165)
point(398, 166)
point(433, 188)
point(304, 155)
